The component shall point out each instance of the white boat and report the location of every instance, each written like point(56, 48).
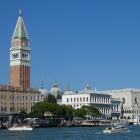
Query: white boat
point(136, 120)
point(20, 128)
point(118, 128)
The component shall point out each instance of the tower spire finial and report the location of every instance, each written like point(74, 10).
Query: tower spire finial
point(42, 84)
point(20, 12)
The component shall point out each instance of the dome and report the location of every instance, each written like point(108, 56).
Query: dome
point(55, 85)
point(87, 87)
point(44, 92)
point(55, 90)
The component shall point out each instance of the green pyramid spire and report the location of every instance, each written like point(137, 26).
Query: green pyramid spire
point(20, 30)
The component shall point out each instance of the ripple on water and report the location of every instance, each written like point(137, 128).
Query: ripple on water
point(70, 133)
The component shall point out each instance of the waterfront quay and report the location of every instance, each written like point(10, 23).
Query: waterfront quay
point(11, 119)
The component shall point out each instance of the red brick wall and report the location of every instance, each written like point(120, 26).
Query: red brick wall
point(20, 76)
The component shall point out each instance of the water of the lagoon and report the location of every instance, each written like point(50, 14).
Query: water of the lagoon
point(71, 133)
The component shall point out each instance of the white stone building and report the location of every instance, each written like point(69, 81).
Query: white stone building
point(130, 99)
point(37, 97)
point(88, 97)
point(116, 106)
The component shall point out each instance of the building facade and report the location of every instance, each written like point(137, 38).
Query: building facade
point(116, 108)
point(130, 100)
point(37, 97)
point(103, 102)
point(14, 100)
point(20, 56)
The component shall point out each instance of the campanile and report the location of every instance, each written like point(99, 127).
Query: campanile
point(20, 56)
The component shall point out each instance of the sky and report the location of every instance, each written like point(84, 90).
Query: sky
point(76, 42)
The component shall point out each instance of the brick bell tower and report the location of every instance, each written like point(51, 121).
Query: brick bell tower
point(20, 56)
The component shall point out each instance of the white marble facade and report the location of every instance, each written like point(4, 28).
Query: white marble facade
point(130, 100)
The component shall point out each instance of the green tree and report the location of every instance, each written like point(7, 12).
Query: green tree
point(39, 109)
point(69, 112)
point(92, 111)
point(64, 111)
point(80, 113)
point(50, 99)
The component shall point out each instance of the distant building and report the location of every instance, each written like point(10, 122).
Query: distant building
point(89, 97)
point(116, 108)
point(56, 91)
point(44, 92)
point(14, 100)
point(37, 97)
point(130, 99)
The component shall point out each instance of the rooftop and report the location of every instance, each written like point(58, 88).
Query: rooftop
point(18, 89)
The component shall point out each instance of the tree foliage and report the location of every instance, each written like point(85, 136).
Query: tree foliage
point(64, 111)
point(56, 110)
point(92, 111)
point(80, 113)
point(51, 99)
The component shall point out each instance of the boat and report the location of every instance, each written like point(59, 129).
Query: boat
point(117, 128)
point(20, 128)
point(90, 123)
point(136, 120)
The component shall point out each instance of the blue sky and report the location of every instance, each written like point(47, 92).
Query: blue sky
point(76, 42)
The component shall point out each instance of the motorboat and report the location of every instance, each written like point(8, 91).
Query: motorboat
point(117, 128)
point(20, 128)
